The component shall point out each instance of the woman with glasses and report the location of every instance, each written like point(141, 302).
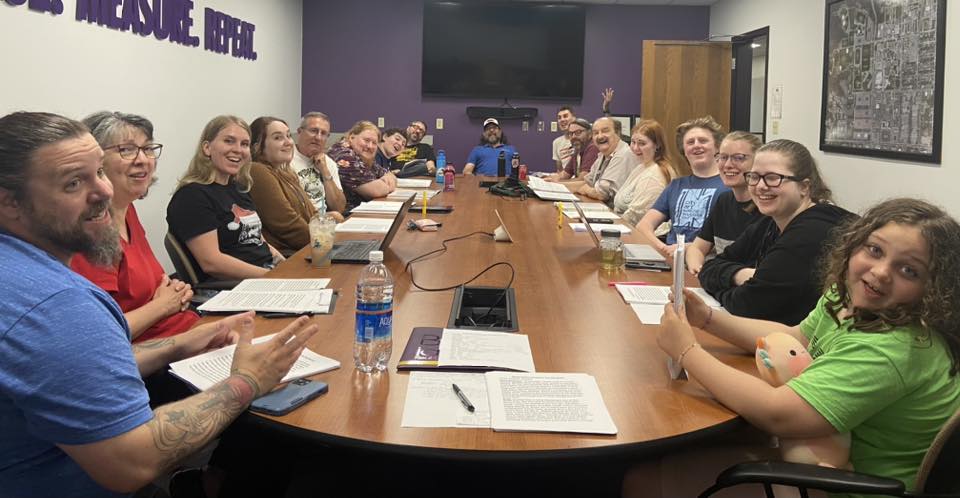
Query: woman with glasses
point(772, 270)
point(355, 155)
point(687, 200)
point(154, 305)
point(211, 210)
point(734, 210)
point(284, 207)
point(647, 181)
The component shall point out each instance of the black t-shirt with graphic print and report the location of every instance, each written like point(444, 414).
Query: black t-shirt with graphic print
point(196, 209)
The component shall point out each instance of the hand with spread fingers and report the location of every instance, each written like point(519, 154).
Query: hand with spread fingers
point(263, 365)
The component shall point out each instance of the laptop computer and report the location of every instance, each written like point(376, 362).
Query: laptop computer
point(358, 251)
point(636, 255)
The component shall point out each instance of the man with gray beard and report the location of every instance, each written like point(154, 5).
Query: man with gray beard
point(75, 416)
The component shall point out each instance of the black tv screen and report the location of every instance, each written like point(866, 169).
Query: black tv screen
point(503, 50)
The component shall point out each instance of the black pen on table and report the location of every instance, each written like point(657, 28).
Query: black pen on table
point(463, 399)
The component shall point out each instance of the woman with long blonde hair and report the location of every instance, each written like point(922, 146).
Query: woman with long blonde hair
point(212, 212)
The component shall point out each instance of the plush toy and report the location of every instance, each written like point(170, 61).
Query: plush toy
point(780, 357)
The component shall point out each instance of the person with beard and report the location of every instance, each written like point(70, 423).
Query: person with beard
point(317, 172)
point(416, 149)
point(392, 142)
point(282, 203)
point(585, 152)
point(211, 210)
point(687, 201)
point(483, 158)
point(77, 420)
point(362, 178)
point(153, 304)
point(612, 167)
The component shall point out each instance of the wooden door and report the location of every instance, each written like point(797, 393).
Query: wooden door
point(684, 80)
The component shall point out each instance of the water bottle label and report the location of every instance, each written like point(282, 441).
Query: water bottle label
point(374, 321)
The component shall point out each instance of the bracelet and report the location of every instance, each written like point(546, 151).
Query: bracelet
point(709, 317)
point(692, 345)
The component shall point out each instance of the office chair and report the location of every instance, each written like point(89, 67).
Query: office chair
point(938, 476)
point(189, 270)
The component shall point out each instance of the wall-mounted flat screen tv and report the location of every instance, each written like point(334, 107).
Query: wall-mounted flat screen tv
point(503, 50)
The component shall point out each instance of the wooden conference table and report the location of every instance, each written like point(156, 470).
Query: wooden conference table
point(574, 320)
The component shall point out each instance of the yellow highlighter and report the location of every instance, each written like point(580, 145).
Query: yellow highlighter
point(559, 216)
point(423, 214)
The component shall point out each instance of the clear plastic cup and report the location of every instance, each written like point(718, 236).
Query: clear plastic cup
point(322, 230)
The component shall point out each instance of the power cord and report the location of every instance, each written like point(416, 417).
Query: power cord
point(409, 269)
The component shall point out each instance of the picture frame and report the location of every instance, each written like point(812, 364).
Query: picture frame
point(883, 79)
point(626, 122)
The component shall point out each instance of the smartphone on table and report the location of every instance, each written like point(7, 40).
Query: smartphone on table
point(286, 399)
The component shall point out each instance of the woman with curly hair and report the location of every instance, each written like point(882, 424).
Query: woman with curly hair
point(884, 337)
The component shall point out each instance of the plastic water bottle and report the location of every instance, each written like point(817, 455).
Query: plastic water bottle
point(441, 165)
point(373, 342)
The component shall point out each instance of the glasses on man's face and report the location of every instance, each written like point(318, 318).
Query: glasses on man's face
point(769, 179)
point(316, 132)
point(418, 128)
point(130, 151)
point(737, 159)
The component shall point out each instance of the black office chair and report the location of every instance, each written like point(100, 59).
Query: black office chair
point(938, 477)
point(188, 270)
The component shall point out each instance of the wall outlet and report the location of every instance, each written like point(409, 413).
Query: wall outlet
point(553, 126)
point(540, 126)
point(380, 122)
point(525, 126)
point(775, 127)
point(439, 124)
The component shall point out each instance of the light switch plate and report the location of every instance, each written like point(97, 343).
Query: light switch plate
point(380, 122)
point(553, 126)
point(439, 124)
point(539, 125)
point(525, 126)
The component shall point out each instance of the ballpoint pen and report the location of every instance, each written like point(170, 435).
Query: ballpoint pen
point(463, 399)
point(611, 284)
point(423, 214)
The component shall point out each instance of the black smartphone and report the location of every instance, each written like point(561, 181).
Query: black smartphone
point(284, 400)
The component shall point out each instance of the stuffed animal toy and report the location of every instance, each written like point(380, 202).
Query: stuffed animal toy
point(780, 357)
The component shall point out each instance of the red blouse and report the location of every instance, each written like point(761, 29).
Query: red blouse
point(135, 279)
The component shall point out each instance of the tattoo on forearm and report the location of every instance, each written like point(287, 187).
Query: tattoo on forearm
point(154, 344)
point(182, 428)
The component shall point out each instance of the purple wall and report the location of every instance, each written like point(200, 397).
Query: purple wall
point(361, 60)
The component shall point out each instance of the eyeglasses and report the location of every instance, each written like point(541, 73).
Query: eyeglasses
point(737, 159)
point(130, 151)
point(769, 179)
point(418, 127)
point(316, 131)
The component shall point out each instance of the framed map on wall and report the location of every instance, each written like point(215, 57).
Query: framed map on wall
point(883, 78)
